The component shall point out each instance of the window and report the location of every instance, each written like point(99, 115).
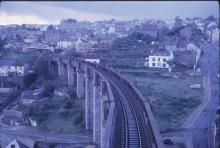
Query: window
point(153, 64)
point(164, 59)
point(13, 146)
point(164, 65)
point(153, 59)
point(158, 59)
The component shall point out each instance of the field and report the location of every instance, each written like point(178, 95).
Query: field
point(171, 99)
point(169, 94)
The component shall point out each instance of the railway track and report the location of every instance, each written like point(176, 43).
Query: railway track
point(133, 129)
point(132, 132)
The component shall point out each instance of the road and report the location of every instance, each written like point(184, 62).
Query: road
point(197, 129)
point(33, 133)
point(203, 123)
point(199, 122)
point(39, 135)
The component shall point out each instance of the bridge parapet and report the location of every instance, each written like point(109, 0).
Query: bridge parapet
point(110, 124)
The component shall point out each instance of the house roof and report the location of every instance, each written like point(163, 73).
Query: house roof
point(161, 52)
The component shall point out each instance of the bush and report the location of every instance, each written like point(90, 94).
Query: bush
point(29, 79)
point(64, 113)
point(49, 87)
point(78, 118)
point(72, 93)
point(31, 110)
point(40, 66)
point(68, 105)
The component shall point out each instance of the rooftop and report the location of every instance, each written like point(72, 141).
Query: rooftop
point(161, 52)
point(9, 63)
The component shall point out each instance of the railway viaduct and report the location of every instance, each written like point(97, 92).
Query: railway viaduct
point(115, 111)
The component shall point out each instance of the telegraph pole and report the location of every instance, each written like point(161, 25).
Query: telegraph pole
point(45, 135)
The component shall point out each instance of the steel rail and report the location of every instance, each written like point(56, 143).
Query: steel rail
point(124, 115)
point(134, 114)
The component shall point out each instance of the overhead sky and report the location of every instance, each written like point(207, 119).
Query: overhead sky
point(52, 12)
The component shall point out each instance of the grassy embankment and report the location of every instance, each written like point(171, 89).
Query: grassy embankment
point(172, 99)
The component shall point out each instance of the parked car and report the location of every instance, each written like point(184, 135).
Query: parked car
point(168, 141)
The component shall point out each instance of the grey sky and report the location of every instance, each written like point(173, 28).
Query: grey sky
point(52, 12)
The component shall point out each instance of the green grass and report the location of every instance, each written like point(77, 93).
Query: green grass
point(171, 99)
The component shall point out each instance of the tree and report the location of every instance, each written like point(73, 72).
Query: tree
point(50, 28)
point(39, 38)
point(19, 38)
point(2, 44)
point(49, 87)
point(40, 66)
point(31, 110)
point(29, 79)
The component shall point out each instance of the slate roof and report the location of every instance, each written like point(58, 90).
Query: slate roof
point(161, 52)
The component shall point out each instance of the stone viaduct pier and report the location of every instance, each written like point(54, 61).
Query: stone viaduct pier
point(105, 114)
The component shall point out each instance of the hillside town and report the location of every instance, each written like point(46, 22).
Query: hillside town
point(165, 49)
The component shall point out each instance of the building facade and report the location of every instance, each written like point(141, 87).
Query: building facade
point(160, 59)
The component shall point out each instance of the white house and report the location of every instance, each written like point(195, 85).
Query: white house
point(4, 71)
point(94, 45)
point(17, 69)
point(82, 46)
point(65, 44)
point(215, 35)
point(31, 121)
point(7, 69)
point(29, 40)
point(159, 59)
point(97, 61)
